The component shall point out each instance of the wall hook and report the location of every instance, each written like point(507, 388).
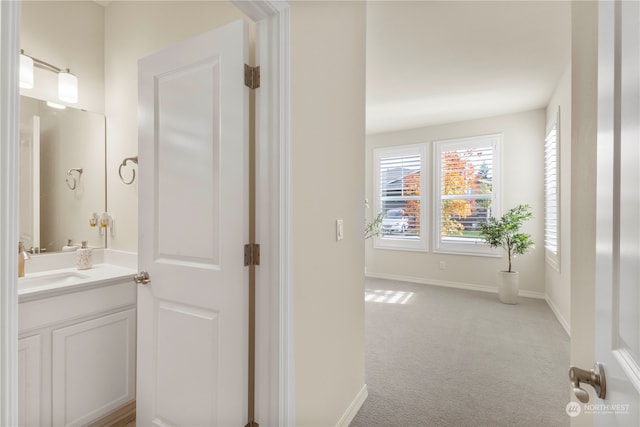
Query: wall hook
point(133, 171)
point(73, 182)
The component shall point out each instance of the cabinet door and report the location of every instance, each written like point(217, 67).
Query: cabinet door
point(93, 365)
point(29, 381)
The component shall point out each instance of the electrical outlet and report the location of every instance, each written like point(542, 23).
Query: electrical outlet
point(443, 265)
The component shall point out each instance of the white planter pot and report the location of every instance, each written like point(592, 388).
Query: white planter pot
point(508, 286)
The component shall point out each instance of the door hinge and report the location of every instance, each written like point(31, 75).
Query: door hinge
point(251, 254)
point(251, 76)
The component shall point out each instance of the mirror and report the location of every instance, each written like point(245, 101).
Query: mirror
point(62, 176)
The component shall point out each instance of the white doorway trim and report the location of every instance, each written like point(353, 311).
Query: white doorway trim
point(9, 112)
point(274, 302)
point(275, 396)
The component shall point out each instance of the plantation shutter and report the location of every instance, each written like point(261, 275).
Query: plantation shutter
point(466, 191)
point(551, 193)
point(400, 194)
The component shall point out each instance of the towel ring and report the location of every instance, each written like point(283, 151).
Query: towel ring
point(133, 171)
point(74, 182)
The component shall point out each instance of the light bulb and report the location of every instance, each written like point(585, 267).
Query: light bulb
point(26, 72)
point(68, 87)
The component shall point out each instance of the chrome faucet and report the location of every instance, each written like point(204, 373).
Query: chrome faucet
point(23, 255)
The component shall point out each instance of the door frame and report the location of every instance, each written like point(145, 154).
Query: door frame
point(274, 303)
point(275, 403)
point(9, 117)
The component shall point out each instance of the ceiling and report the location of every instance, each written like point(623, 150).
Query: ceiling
point(435, 62)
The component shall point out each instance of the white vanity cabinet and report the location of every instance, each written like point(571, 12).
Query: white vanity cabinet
point(76, 353)
point(29, 380)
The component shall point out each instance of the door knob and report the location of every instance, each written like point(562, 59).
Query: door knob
point(142, 278)
point(595, 378)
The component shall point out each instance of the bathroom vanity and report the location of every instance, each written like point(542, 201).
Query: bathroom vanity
point(77, 340)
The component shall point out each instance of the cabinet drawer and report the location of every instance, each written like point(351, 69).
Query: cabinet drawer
point(49, 311)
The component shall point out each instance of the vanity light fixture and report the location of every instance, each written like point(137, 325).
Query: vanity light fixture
point(67, 82)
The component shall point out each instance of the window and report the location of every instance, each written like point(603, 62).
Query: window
point(466, 192)
point(400, 186)
point(551, 200)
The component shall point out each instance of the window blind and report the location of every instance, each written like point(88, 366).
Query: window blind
point(466, 191)
point(400, 195)
point(551, 191)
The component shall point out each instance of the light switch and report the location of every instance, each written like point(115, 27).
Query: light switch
point(339, 229)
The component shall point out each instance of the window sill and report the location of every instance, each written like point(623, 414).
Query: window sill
point(398, 244)
point(471, 250)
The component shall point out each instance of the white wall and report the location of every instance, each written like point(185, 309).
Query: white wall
point(134, 30)
point(327, 119)
point(522, 182)
point(558, 281)
point(327, 125)
point(66, 34)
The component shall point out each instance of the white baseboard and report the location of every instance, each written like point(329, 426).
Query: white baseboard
point(353, 409)
point(448, 284)
point(118, 418)
point(559, 316)
point(531, 294)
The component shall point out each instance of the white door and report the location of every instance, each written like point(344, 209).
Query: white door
point(618, 215)
point(193, 223)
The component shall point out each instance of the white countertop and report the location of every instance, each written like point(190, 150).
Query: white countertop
point(43, 284)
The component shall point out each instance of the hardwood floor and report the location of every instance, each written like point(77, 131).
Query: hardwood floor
point(124, 416)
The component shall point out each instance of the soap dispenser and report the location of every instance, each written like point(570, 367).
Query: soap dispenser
point(70, 247)
point(84, 257)
point(23, 255)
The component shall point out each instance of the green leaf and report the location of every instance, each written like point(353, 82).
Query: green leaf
point(505, 232)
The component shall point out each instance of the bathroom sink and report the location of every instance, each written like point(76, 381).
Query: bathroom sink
point(52, 279)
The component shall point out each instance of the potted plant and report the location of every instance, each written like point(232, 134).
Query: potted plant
point(374, 228)
point(505, 233)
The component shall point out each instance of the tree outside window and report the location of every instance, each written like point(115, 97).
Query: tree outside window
point(465, 174)
point(466, 191)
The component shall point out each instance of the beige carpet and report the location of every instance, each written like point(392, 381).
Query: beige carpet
point(447, 357)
